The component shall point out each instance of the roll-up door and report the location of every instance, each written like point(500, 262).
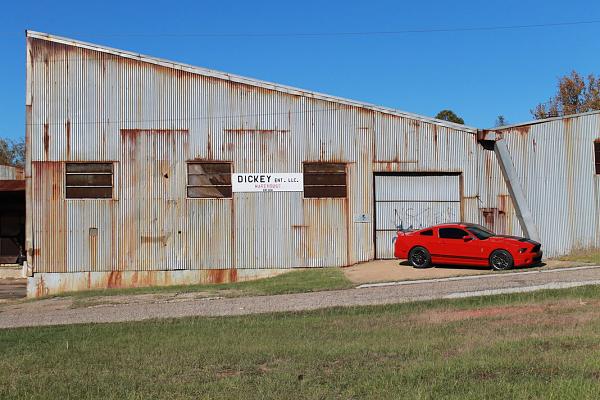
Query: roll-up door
point(412, 202)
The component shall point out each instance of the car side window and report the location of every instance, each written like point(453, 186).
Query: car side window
point(428, 232)
point(452, 233)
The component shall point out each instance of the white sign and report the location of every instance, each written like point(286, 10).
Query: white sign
point(262, 182)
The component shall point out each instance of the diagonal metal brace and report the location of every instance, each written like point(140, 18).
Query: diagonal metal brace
point(516, 190)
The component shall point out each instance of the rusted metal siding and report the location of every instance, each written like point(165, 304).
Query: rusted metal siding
point(555, 162)
point(8, 172)
point(150, 117)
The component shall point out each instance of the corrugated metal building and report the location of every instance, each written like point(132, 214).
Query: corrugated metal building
point(9, 172)
point(130, 157)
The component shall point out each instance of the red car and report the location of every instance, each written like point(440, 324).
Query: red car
point(465, 244)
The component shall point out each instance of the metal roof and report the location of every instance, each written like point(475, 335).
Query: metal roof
point(541, 121)
point(241, 79)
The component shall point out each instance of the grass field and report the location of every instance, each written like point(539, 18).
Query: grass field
point(305, 280)
point(590, 256)
point(543, 345)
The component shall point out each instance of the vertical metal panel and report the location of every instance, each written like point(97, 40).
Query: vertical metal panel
point(92, 235)
point(264, 230)
point(413, 202)
point(326, 242)
point(209, 234)
point(153, 199)
point(50, 228)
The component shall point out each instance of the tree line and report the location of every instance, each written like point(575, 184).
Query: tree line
point(575, 94)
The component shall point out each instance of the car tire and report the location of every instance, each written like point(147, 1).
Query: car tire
point(419, 257)
point(501, 260)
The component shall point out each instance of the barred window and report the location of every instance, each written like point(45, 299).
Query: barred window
point(323, 180)
point(89, 180)
point(209, 180)
point(597, 156)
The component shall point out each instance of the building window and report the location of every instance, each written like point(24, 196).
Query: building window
point(324, 180)
point(209, 180)
point(89, 180)
point(597, 155)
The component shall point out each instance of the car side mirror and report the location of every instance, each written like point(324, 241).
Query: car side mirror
point(467, 238)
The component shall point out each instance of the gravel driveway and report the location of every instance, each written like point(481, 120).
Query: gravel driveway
point(59, 311)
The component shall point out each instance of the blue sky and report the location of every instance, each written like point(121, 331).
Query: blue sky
point(478, 74)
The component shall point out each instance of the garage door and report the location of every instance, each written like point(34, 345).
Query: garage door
point(412, 202)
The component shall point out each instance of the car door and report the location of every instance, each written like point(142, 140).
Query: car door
point(459, 247)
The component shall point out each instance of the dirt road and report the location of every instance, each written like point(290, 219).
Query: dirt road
point(59, 311)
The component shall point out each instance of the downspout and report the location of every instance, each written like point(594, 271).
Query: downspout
point(491, 140)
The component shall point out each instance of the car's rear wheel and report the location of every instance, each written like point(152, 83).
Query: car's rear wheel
point(501, 260)
point(419, 257)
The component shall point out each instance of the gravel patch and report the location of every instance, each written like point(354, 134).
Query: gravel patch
point(59, 311)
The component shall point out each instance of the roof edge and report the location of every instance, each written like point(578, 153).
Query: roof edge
point(240, 79)
point(541, 121)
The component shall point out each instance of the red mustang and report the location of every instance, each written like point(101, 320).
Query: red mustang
point(465, 244)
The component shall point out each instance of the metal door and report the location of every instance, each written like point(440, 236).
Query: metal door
point(404, 202)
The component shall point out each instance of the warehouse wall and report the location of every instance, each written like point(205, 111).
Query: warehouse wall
point(555, 162)
point(90, 105)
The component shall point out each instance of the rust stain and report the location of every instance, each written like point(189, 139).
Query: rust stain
point(68, 131)
point(209, 147)
point(46, 139)
point(221, 275)
point(522, 130)
point(488, 216)
point(40, 288)
point(115, 279)
point(93, 243)
point(255, 131)
point(163, 239)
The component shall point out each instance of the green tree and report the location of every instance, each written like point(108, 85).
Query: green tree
point(450, 116)
point(12, 152)
point(574, 94)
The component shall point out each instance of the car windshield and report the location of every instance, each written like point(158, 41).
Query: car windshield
point(480, 232)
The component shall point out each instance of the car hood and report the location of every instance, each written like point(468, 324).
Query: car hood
point(502, 238)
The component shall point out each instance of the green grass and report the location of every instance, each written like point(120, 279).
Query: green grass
point(306, 280)
point(419, 350)
point(589, 256)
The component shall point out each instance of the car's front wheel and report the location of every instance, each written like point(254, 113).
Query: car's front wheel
point(501, 260)
point(419, 257)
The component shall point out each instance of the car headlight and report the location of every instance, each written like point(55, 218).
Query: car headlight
point(523, 250)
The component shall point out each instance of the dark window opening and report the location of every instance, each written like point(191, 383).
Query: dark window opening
point(209, 180)
point(89, 180)
point(597, 156)
point(452, 233)
point(322, 180)
point(427, 233)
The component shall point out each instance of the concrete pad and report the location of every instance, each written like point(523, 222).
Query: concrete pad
point(11, 271)
point(400, 270)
